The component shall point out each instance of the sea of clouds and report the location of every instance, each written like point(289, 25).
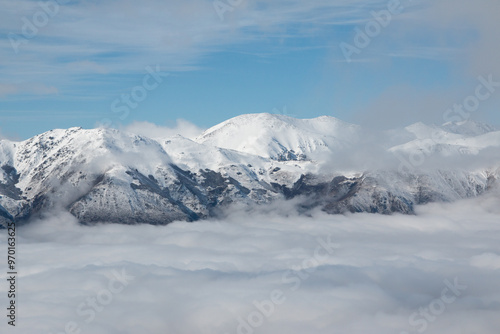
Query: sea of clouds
point(266, 271)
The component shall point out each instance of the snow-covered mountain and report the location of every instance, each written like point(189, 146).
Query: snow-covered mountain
point(115, 176)
point(280, 137)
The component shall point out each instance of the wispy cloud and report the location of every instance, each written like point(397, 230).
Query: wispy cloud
point(83, 38)
point(91, 51)
point(30, 89)
point(183, 128)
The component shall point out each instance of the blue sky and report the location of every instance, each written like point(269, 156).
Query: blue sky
point(65, 63)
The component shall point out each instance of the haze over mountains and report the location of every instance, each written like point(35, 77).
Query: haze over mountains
point(107, 175)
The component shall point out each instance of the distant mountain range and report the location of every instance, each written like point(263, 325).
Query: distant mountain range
point(106, 175)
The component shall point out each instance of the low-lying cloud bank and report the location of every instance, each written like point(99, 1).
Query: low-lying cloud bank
point(436, 272)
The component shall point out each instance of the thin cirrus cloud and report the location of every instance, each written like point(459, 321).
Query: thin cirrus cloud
point(93, 52)
point(30, 89)
point(115, 38)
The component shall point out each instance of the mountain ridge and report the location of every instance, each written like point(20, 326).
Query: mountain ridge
point(120, 177)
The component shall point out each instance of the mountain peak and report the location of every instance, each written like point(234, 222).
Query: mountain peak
point(279, 137)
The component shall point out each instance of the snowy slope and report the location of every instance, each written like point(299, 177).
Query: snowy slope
point(281, 137)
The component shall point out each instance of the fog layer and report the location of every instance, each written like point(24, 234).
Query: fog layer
point(436, 272)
